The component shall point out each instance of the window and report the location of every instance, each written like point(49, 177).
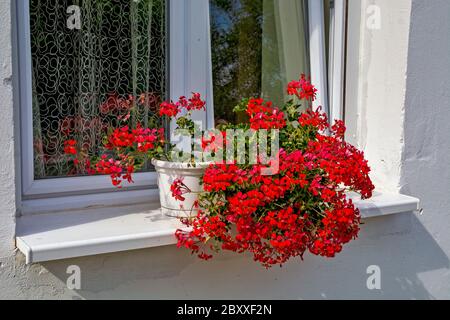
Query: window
point(75, 81)
point(79, 66)
point(257, 48)
point(82, 77)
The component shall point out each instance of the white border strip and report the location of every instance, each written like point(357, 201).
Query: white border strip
point(317, 53)
point(337, 59)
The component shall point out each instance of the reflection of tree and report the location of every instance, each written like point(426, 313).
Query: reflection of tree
point(236, 33)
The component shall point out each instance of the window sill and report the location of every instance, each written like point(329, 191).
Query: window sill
point(56, 236)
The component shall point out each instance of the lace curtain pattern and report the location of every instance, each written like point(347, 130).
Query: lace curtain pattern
point(258, 46)
point(84, 79)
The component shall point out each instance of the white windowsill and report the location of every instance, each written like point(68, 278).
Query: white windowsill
point(56, 236)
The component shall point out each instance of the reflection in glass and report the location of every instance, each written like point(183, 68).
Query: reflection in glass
point(257, 47)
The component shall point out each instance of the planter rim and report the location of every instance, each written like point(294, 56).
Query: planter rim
point(180, 165)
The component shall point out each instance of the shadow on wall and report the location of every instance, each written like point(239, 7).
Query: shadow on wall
point(426, 170)
point(398, 244)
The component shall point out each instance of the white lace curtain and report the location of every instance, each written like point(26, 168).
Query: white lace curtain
point(82, 78)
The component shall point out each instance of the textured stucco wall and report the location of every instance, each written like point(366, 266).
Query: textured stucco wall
point(7, 171)
point(376, 84)
point(16, 279)
point(426, 165)
point(412, 251)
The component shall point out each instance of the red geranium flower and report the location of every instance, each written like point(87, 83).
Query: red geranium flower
point(168, 109)
point(301, 207)
point(70, 147)
point(302, 88)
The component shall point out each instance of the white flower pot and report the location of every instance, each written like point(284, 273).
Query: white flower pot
point(168, 172)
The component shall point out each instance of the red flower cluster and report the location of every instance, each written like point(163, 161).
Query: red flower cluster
point(168, 109)
point(178, 189)
point(171, 109)
point(222, 176)
point(70, 147)
point(124, 141)
point(264, 116)
point(118, 170)
point(194, 103)
point(143, 139)
point(117, 162)
point(315, 119)
point(303, 207)
point(214, 142)
point(302, 88)
point(127, 149)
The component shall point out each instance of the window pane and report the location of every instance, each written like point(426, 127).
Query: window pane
point(257, 47)
point(83, 78)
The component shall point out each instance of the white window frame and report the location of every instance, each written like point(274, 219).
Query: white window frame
point(317, 51)
point(337, 58)
point(189, 70)
point(330, 83)
point(190, 54)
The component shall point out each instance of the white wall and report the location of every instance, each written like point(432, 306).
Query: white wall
point(376, 84)
point(7, 169)
point(404, 77)
point(426, 164)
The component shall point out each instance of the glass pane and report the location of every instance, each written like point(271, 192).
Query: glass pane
point(257, 47)
point(85, 75)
